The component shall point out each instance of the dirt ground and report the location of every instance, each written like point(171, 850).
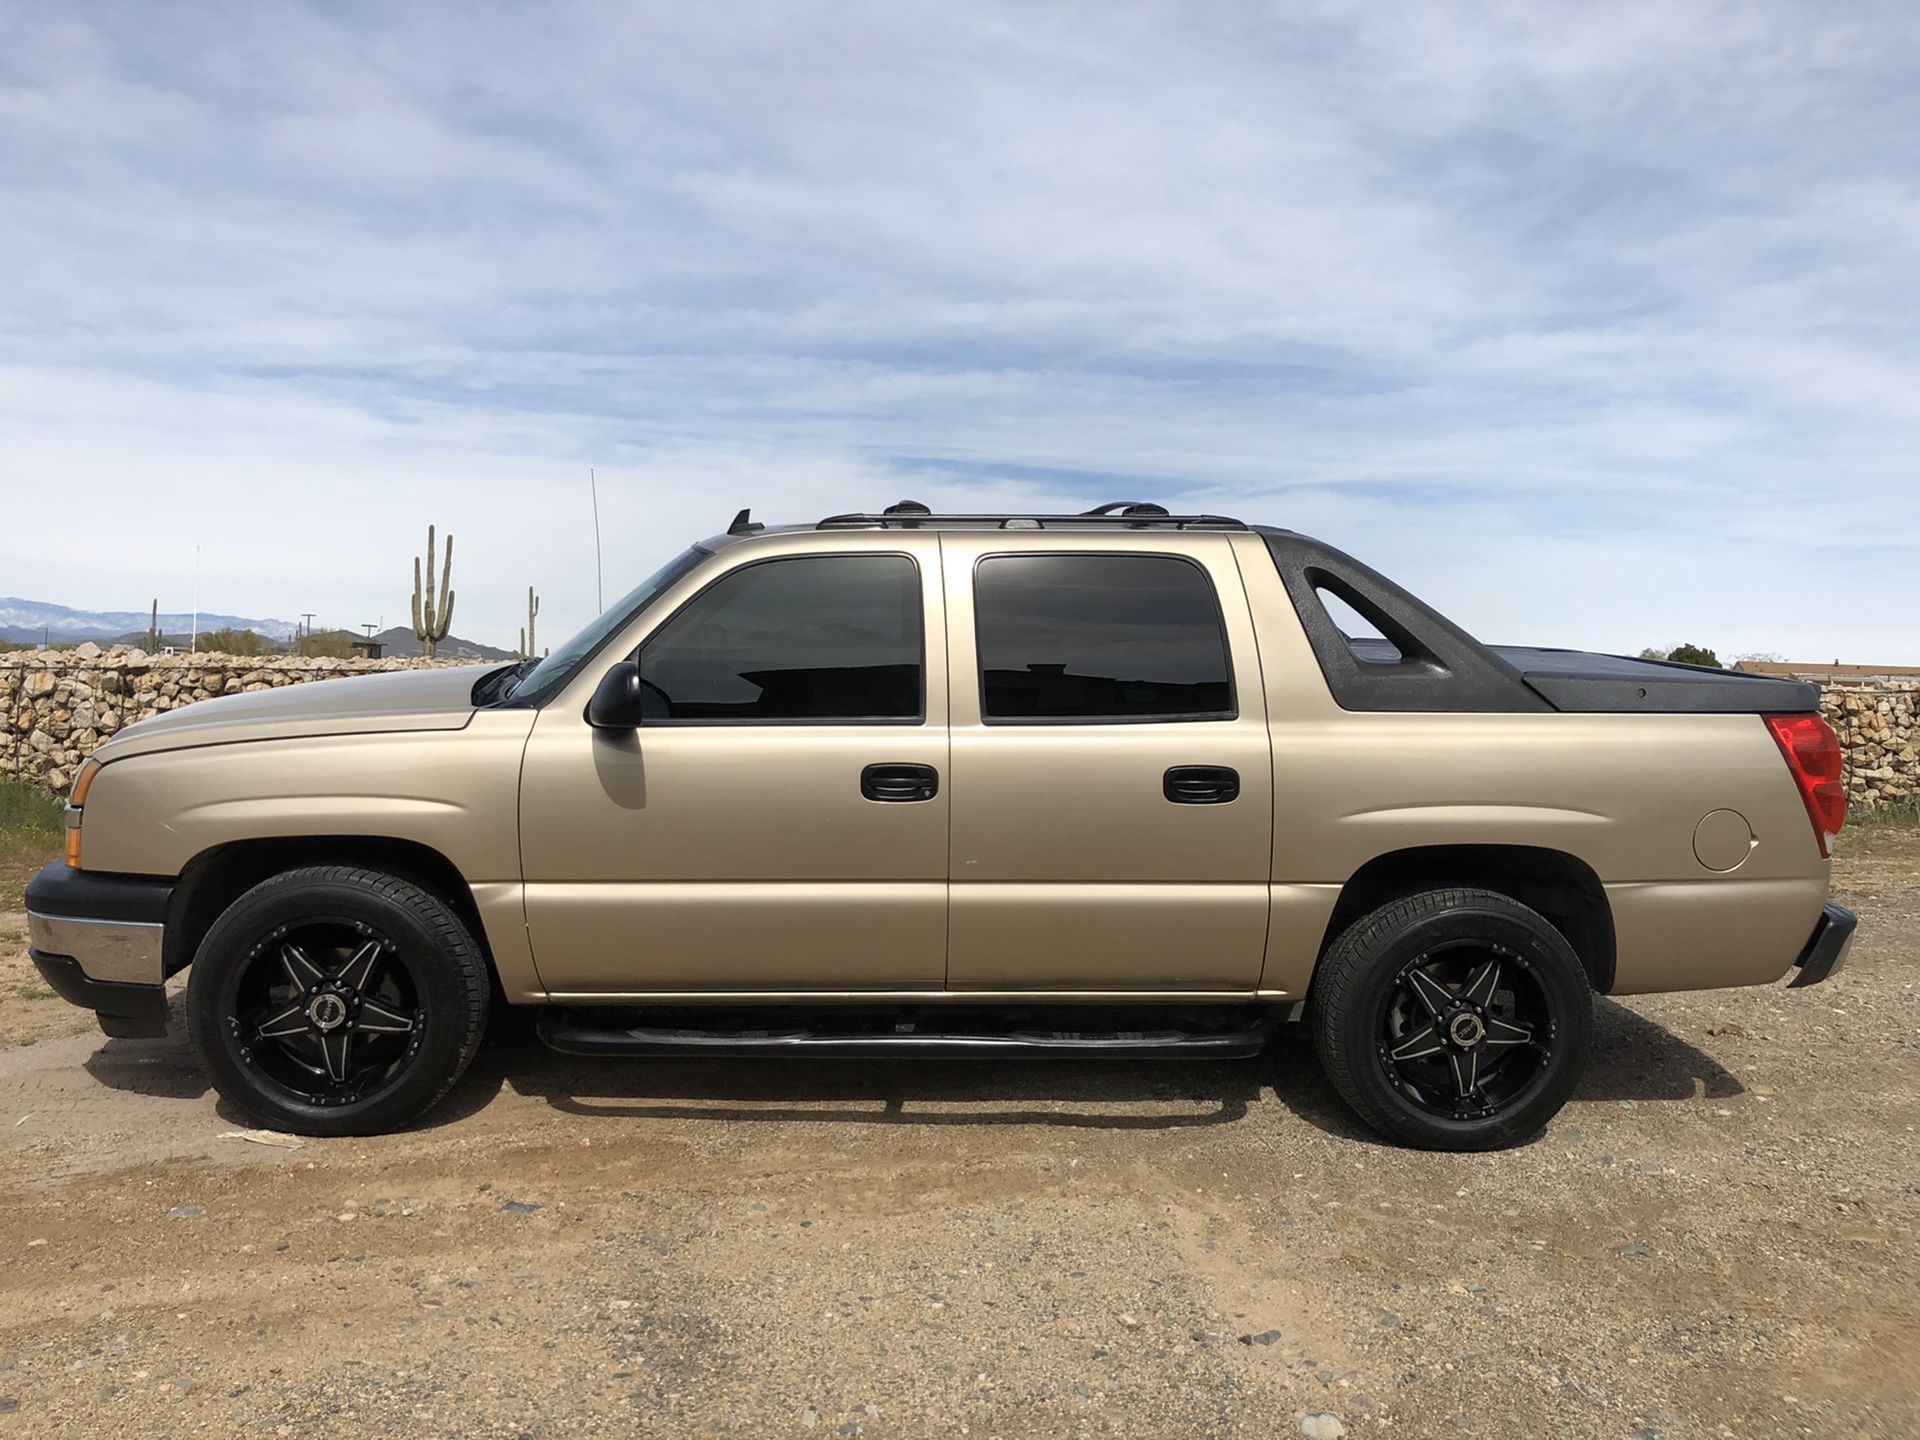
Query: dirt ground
point(1716, 1238)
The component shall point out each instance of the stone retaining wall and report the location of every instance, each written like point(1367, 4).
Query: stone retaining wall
point(1879, 732)
point(55, 706)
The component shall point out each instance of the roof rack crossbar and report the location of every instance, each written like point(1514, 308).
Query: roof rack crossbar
point(1123, 521)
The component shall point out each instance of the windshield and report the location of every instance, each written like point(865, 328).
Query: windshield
point(558, 668)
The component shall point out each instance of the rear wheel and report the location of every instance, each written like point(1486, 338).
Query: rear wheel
point(1453, 1019)
point(333, 1000)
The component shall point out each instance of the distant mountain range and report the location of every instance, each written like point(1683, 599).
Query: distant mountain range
point(401, 641)
point(28, 622)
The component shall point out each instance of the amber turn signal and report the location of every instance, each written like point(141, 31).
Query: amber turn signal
point(82, 783)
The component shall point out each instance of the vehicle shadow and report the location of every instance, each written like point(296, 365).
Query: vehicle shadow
point(164, 1067)
point(930, 1091)
point(1058, 1091)
point(1633, 1059)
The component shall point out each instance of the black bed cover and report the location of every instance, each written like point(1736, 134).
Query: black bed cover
point(1578, 680)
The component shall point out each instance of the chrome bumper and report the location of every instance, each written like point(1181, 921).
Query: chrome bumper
point(110, 926)
point(125, 952)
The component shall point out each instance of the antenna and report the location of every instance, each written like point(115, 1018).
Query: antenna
point(193, 645)
point(599, 586)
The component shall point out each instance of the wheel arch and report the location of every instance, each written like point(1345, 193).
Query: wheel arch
point(1561, 887)
point(220, 875)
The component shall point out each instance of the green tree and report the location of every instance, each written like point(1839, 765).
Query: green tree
point(1693, 655)
point(232, 642)
point(332, 644)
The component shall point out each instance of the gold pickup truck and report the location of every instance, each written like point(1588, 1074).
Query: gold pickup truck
point(1124, 783)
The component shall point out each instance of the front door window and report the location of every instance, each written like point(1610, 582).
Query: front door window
point(829, 639)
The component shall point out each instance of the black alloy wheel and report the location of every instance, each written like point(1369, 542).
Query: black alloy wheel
point(328, 1010)
point(336, 1000)
point(1452, 1019)
point(1466, 1029)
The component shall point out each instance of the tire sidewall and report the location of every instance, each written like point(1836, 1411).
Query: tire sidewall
point(444, 989)
point(1563, 984)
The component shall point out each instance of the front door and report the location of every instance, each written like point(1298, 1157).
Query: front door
point(1112, 772)
point(778, 822)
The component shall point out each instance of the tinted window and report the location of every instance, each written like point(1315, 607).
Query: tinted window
point(830, 637)
point(1099, 637)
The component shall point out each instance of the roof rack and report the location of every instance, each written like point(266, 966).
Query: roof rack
point(1121, 514)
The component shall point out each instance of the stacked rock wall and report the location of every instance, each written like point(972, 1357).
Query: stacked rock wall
point(57, 705)
point(1879, 732)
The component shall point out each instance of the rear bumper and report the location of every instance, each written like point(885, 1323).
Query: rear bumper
point(97, 940)
point(1827, 948)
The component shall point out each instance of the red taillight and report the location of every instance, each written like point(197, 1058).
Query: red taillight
point(1813, 755)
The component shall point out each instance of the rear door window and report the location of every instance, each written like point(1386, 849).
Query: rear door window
point(1099, 638)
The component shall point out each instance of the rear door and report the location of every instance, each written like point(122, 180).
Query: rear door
point(1112, 787)
point(778, 822)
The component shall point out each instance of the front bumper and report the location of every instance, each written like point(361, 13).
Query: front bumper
point(126, 1012)
point(1827, 948)
point(98, 941)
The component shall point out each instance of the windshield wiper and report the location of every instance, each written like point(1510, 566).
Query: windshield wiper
point(517, 674)
point(499, 686)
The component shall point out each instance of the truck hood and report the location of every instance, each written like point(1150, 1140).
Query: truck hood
point(355, 705)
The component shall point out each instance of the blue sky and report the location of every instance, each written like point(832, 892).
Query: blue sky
point(1595, 325)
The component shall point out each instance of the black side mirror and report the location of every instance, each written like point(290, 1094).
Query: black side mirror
point(616, 700)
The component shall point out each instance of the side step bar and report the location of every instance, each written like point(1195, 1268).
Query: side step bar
point(571, 1038)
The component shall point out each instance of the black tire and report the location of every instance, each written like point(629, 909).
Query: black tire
point(429, 972)
point(1382, 992)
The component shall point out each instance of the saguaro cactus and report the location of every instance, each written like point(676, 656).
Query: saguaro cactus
point(430, 623)
point(527, 642)
point(153, 627)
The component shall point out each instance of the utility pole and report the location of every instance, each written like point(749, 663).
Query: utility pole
point(306, 629)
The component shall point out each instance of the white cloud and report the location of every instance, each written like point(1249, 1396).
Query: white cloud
point(1595, 325)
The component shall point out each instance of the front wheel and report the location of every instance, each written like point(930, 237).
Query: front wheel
point(1453, 1019)
point(333, 1000)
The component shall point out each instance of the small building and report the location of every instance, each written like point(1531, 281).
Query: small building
point(368, 648)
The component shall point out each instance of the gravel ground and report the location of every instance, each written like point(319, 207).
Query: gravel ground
point(1716, 1238)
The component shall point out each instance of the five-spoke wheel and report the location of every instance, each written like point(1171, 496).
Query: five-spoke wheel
point(1453, 1019)
point(335, 1000)
point(1465, 1028)
point(328, 1009)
